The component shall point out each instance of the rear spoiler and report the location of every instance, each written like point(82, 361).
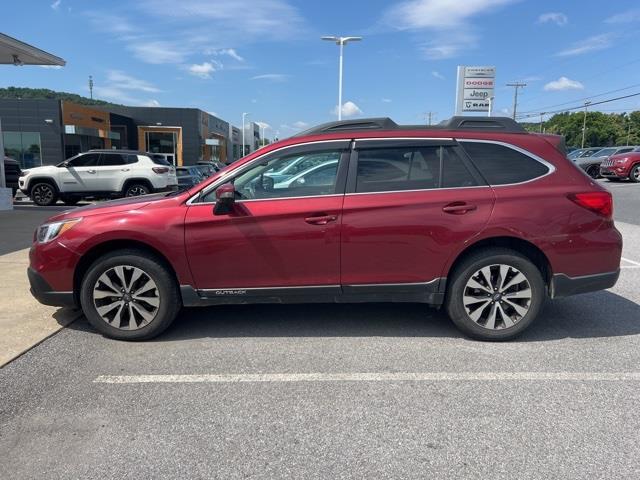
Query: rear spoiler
point(556, 141)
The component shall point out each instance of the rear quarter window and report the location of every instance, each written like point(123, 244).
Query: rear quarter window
point(502, 165)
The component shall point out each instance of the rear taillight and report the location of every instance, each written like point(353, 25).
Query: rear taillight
point(160, 169)
point(598, 202)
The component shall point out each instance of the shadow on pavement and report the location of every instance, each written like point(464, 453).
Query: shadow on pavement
point(596, 315)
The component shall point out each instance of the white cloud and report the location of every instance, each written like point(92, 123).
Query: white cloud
point(591, 44)
point(563, 83)
point(127, 82)
point(385, 100)
point(300, 124)
point(625, 17)
point(558, 18)
point(151, 103)
point(55, 5)
point(438, 75)
point(438, 14)
point(202, 70)
point(349, 109)
point(230, 52)
point(157, 51)
point(52, 67)
point(274, 77)
point(263, 124)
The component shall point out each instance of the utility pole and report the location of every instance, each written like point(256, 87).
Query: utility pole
point(629, 131)
point(490, 106)
point(428, 116)
point(91, 87)
point(584, 122)
point(516, 85)
point(541, 114)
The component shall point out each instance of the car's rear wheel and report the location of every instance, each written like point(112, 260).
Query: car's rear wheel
point(593, 171)
point(634, 175)
point(44, 194)
point(129, 295)
point(136, 189)
point(495, 294)
point(69, 200)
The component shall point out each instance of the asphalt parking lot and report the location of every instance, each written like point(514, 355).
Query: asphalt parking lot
point(335, 391)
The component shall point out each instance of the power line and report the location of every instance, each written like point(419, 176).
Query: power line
point(581, 106)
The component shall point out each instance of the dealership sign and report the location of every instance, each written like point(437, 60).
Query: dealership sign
point(475, 89)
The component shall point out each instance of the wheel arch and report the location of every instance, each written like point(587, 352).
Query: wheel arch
point(109, 246)
point(42, 179)
point(524, 247)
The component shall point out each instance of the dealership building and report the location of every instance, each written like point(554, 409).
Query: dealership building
point(48, 131)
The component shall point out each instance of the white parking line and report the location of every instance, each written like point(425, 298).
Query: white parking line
point(632, 262)
point(373, 377)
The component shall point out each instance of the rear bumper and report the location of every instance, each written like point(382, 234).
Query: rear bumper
point(43, 292)
point(564, 286)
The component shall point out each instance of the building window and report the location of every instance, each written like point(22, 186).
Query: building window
point(23, 147)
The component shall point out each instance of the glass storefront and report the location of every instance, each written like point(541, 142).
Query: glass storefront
point(23, 147)
point(162, 142)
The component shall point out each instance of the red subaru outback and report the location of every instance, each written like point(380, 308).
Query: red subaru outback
point(475, 215)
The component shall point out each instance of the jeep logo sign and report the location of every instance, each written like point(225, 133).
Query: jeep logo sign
point(475, 89)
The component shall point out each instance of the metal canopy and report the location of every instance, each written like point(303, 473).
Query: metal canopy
point(15, 52)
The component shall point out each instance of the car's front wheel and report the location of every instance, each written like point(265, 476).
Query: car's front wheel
point(129, 295)
point(44, 194)
point(634, 175)
point(495, 294)
point(593, 171)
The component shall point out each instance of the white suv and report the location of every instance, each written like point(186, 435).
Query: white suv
point(98, 173)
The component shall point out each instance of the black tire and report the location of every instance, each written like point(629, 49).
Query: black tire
point(166, 287)
point(44, 194)
point(69, 200)
point(136, 189)
point(472, 264)
point(613, 179)
point(634, 174)
point(593, 171)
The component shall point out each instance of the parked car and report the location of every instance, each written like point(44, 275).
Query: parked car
point(11, 174)
point(212, 165)
point(583, 152)
point(205, 170)
point(98, 173)
point(475, 215)
point(591, 164)
point(189, 176)
point(622, 166)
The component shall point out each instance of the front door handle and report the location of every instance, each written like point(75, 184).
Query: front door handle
point(321, 219)
point(459, 208)
point(91, 171)
point(125, 169)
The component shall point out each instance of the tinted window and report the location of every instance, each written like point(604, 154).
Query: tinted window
point(182, 172)
point(86, 160)
point(501, 165)
point(131, 159)
point(625, 150)
point(265, 179)
point(160, 160)
point(410, 168)
point(112, 159)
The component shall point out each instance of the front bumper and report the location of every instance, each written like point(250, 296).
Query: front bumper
point(564, 286)
point(43, 292)
point(613, 172)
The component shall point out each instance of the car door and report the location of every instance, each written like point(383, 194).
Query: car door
point(112, 169)
point(279, 239)
point(80, 173)
point(409, 204)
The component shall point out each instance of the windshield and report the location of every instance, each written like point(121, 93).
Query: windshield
point(575, 154)
point(605, 152)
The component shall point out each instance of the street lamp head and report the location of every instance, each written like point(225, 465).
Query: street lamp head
point(341, 40)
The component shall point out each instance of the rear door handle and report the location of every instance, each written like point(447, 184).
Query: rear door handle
point(321, 219)
point(459, 208)
point(125, 169)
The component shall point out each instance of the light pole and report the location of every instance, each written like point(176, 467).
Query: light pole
point(341, 42)
point(490, 107)
point(584, 122)
point(264, 127)
point(244, 114)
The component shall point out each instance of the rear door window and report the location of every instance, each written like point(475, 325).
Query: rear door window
point(411, 168)
point(502, 165)
point(112, 160)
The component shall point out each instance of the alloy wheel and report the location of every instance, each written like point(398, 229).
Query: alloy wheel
point(42, 194)
point(497, 296)
point(136, 190)
point(126, 297)
point(593, 171)
point(635, 173)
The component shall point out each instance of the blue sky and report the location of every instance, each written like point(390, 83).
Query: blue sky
point(266, 57)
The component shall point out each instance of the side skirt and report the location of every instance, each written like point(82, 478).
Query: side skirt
point(425, 292)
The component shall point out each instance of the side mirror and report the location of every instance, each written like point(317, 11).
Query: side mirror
point(65, 164)
point(225, 199)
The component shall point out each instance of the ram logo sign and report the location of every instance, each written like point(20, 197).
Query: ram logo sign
point(475, 90)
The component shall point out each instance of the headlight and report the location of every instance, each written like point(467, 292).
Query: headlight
point(620, 161)
point(24, 173)
point(49, 231)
